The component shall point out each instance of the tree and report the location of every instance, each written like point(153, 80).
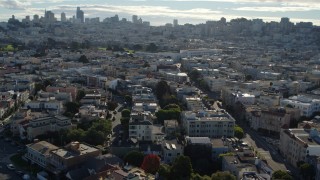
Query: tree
point(152, 47)
point(134, 158)
point(248, 77)
point(238, 132)
point(171, 106)
point(125, 113)
point(181, 168)
point(112, 105)
point(95, 137)
point(38, 87)
point(128, 99)
point(125, 125)
point(75, 135)
point(223, 176)
point(72, 107)
point(196, 176)
point(162, 88)
point(168, 99)
point(83, 59)
point(279, 174)
point(80, 95)
point(194, 75)
point(307, 170)
point(164, 171)
point(103, 126)
point(168, 114)
point(97, 134)
point(151, 163)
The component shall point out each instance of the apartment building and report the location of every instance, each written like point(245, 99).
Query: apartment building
point(210, 123)
point(42, 125)
point(306, 105)
point(45, 104)
point(171, 149)
point(269, 119)
point(39, 153)
point(68, 89)
point(297, 144)
point(140, 130)
point(72, 154)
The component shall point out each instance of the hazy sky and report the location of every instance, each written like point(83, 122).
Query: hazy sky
point(159, 12)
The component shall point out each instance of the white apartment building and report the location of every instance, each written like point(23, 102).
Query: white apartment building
point(215, 84)
point(230, 96)
point(140, 130)
point(306, 105)
point(209, 123)
point(297, 144)
point(268, 100)
point(45, 104)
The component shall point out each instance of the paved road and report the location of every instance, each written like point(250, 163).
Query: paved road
point(6, 151)
point(268, 151)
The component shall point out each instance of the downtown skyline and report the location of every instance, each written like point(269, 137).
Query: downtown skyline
point(162, 12)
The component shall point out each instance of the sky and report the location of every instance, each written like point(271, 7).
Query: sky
point(160, 12)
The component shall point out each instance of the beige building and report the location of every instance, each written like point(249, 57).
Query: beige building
point(297, 144)
point(39, 153)
point(42, 125)
point(210, 123)
point(72, 154)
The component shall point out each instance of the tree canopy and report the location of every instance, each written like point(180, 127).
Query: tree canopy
point(181, 168)
point(307, 171)
point(125, 113)
point(83, 59)
point(280, 174)
point(238, 132)
point(151, 163)
point(134, 158)
point(225, 175)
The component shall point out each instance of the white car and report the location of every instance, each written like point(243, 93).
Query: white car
point(11, 167)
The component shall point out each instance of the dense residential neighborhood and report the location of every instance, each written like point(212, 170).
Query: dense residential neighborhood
point(116, 99)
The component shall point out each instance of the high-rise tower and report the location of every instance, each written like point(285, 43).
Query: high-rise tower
point(80, 15)
point(63, 17)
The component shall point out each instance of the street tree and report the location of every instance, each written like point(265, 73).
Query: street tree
point(151, 163)
point(125, 113)
point(134, 158)
point(238, 132)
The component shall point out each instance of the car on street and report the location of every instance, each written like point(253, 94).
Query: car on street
point(11, 167)
point(20, 173)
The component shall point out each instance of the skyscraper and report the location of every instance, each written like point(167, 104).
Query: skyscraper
point(63, 17)
point(80, 15)
point(175, 22)
point(135, 19)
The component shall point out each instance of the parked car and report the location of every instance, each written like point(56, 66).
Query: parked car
point(11, 167)
point(20, 173)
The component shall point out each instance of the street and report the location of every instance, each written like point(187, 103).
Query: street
point(6, 150)
point(268, 151)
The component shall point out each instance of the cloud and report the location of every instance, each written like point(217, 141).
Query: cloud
point(277, 9)
point(13, 4)
point(164, 11)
